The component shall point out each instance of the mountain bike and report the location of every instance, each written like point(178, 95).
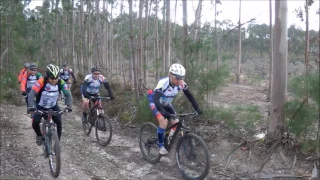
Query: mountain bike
point(189, 150)
point(97, 118)
point(51, 143)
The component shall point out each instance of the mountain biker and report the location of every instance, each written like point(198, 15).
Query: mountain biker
point(91, 86)
point(65, 73)
point(28, 79)
point(160, 101)
point(47, 91)
point(22, 71)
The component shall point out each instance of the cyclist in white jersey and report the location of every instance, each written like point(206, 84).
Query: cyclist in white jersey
point(160, 100)
point(65, 74)
point(91, 87)
point(47, 91)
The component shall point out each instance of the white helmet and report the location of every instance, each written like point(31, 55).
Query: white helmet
point(178, 71)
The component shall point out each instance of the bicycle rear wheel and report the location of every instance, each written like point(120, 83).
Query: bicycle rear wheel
point(54, 153)
point(148, 142)
point(193, 158)
point(103, 130)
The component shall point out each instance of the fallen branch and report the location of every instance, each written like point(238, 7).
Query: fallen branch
point(249, 142)
point(2, 172)
point(270, 176)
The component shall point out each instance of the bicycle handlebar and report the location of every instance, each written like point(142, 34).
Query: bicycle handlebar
point(185, 114)
point(50, 112)
point(99, 97)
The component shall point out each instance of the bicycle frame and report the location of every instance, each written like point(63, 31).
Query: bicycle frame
point(97, 105)
point(180, 127)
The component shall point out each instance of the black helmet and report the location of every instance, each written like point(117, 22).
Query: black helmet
point(65, 65)
point(95, 68)
point(33, 67)
point(26, 65)
point(52, 71)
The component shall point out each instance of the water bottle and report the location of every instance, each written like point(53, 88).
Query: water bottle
point(170, 136)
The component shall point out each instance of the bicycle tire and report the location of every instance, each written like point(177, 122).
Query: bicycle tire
point(55, 171)
point(104, 119)
point(151, 142)
point(87, 127)
point(206, 152)
point(45, 144)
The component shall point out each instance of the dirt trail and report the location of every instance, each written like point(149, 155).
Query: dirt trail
point(82, 158)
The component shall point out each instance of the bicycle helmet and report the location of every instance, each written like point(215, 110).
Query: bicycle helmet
point(26, 65)
point(177, 70)
point(33, 67)
point(65, 65)
point(95, 69)
point(52, 71)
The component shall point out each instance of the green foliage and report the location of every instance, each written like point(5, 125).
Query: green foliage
point(235, 117)
point(8, 87)
point(144, 113)
point(301, 116)
point(305, 117)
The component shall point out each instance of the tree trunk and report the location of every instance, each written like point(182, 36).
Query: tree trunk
point(279, 85)
point(306, 50)
point(163, 37)
point(133, 52)
point(185, 32)
point(216, 33)
point(173, 54)
point(140, 44)
point(145, 42)
point(111, 41)
point(167, 38)
point(156, 29)
point(239, 47)
point(270, 50)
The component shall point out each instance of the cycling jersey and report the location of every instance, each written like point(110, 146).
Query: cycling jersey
point(92, 86)
point(28, 80)
point(160, 99)
point(47, 94)
point(65, 74)
point(168, 91)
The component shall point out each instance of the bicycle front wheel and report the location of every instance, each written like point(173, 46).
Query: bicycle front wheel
point(87, 126)
point(54, 153)
point(103, 130)
point(148, 142)
point(193, 158)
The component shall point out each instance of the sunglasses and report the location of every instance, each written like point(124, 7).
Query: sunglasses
point(96, 73)
point(178, 77)
point(52, 78)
